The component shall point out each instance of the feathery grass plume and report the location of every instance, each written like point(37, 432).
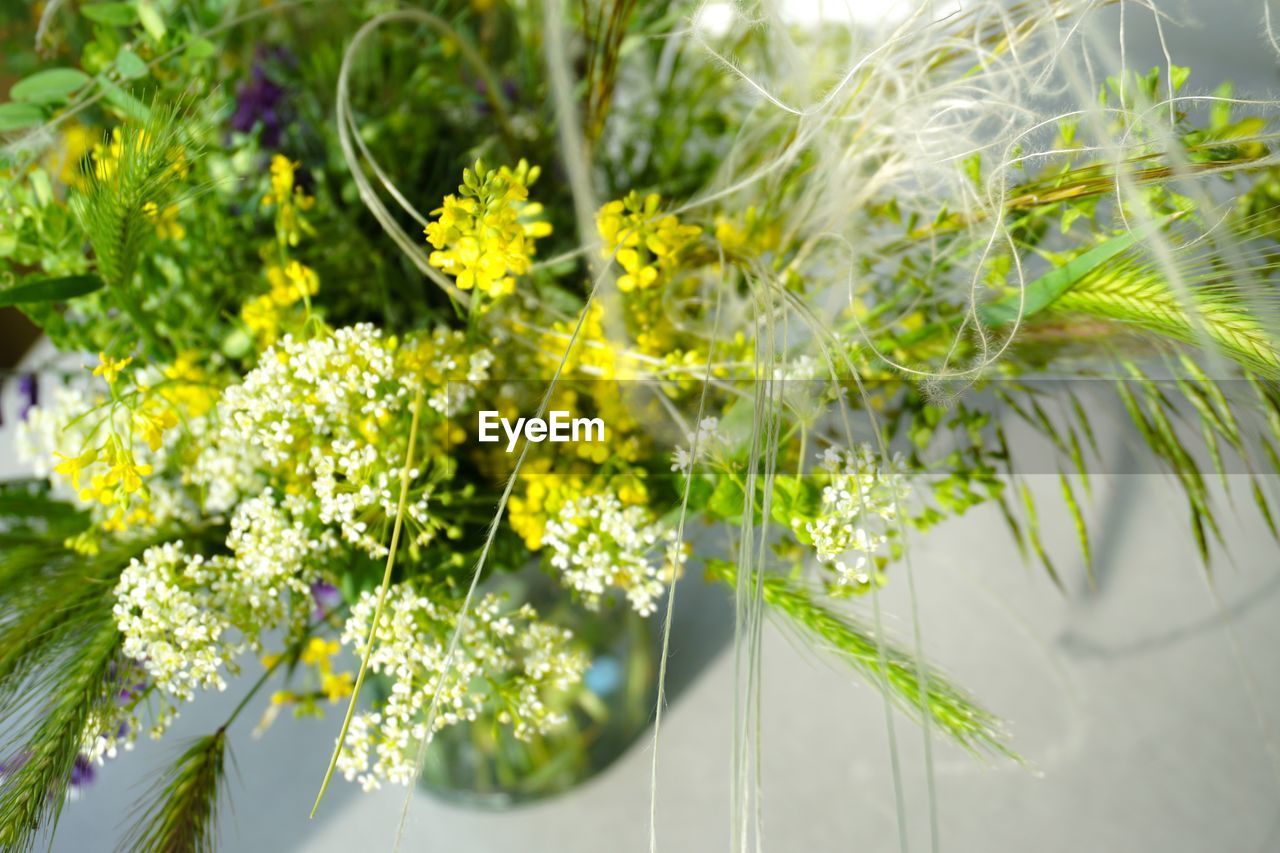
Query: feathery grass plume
point(956, 713)
point(33, 791)
point(134, 168)
point(182, 810)
point(1135, 293)
point(37, 631)
point(51, 595)
point(33, 528)
point(131, 177)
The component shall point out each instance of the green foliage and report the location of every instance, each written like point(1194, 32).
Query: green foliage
point(1042, 293)
point(51, 290)
point(883, 664)
point(180, 812)
point(33, 791)
point(52, 85)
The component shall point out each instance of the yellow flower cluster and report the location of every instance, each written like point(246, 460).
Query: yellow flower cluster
point(265, 314)
point(754, 234)
point(485, 235)
point(106, 156)
point(109, 368)
point(645, 243)
point(188, 387)
point(113, 486)
point(165, 221)
point(115, 477)
point(317, 654)
point(592, 354)
point(545, 490)
point(289, 201)
point(64, 158)
point(546, 485)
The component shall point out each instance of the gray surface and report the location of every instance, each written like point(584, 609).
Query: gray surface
point(1148, 710)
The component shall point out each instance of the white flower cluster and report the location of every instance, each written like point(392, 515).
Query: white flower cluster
point(276, 555)
point(224, 474)
point(454, 373)
point(331, 414)
point(598, 544)
point(506, 664)
point(857, 506)
point(52, 427)
point(353, 484)
point(107, 734)
point(165, 612)
point(705, 440)
point(304, 395)
point(177, 611)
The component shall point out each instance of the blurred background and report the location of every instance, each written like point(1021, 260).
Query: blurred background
point(1148, 708)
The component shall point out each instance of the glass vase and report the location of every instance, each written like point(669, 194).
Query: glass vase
point(482, 764)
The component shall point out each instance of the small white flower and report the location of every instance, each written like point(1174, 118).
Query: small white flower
point(858, 504)
point(505, 664)
point(598, 545)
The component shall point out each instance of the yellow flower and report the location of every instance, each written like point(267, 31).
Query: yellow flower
point(282, 173)
point(755, 234)
point(336, 686)
point(98, 490)
point(262, 316)
point(292, 284)
point(106, 157)
point(318, 651)
point(64, 159)
point(109, 368)
point(288, 199)
point(187, 388)
point(646, 245)
point(165, 221)
point(72, 467)
point(152, 426)
point(545, 491)
point(484, 236)
point(122, 469)
point(121, 520)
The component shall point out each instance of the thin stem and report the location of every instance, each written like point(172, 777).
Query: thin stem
point(382, 596)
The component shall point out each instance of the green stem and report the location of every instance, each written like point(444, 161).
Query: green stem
point(382, 596)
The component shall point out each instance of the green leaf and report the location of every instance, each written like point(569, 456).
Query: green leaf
point(19, 116)
point(111, 14)
point(1082, 527)
point(200, 48)
point(50, 290)
point(1179, 75)
point(1041, 293)
point(151, 20)
point(49, 86)
point(129, 65)
point(126, 103)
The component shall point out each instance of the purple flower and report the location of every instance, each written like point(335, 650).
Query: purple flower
point(260, 101)
point(82, 774)
point(327, 598)
point(29, 388)
point(129, 692)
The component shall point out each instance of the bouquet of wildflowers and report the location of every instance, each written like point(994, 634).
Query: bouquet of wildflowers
point(416, 354)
